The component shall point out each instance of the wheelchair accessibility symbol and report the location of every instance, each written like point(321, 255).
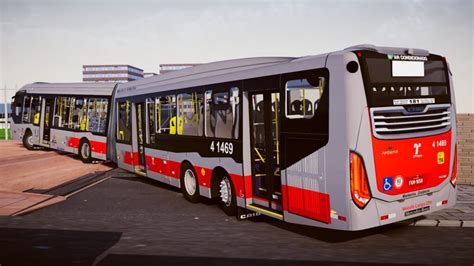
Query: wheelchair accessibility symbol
point(387, 183)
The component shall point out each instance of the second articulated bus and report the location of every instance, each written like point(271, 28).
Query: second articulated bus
point(71, 117)
point(347, 140)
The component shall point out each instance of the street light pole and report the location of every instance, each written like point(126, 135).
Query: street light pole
point(6, 113)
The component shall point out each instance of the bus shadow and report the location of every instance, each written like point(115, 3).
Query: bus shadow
point(331, 235)
point(129, 176)
point(125, 175)
point(321, 234)
point(138, 260)
point(53, 247)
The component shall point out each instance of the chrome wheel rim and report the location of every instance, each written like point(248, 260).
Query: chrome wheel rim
point(190, 182)
point(226, 191)
point(85, 150)
point(29, 140)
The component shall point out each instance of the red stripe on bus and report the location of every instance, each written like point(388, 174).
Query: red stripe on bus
point(73, 142)
point(308, 203)
point(238, 182)
point(99, 147)
point(248, 186)
point(204, 176)
point(173, 169)
point(128, 158)
point(96, 146)
point(157, 165)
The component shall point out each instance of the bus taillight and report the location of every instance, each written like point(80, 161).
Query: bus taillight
point(359, 184)
point(455, 167)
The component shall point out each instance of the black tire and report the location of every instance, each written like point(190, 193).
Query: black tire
point(28, 140)
point(228, 203)
point(189, 183)
point(85, 151)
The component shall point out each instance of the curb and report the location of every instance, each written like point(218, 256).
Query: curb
point(443, 223)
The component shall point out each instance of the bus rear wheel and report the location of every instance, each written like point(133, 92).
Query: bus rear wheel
point(189, 184)
point(227, 199)
point(28, 140)
point(85, 151)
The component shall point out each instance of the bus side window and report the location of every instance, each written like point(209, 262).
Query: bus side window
point(83, 116)
point(190, 108)
point(62, 117)
point(208, 128)
point(302, 97)
point(26, 109)
point(76, 117)
point(35, 110)
point(151, 104)
point(124, 127)
point(59, 112)
point(97, 114)
point(166, 114)
point(222, 114)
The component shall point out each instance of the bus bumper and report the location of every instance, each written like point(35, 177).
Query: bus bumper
point(396, 211)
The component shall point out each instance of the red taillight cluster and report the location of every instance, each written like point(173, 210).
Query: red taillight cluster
point(359, 184)
point(455, 167)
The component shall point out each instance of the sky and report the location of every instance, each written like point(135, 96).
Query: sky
point(47, 40)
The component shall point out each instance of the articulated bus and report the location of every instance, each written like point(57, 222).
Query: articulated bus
point(346, 140)
point(71, 117)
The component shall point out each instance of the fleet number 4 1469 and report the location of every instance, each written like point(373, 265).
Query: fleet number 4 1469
point(222, 147)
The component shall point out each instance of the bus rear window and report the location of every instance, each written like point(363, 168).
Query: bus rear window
point(391, 79)
point(382, 70)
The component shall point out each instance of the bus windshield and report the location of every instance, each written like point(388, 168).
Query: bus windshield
point(400, 79)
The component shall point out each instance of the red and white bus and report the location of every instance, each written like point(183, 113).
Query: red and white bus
point(71, 117)
point(346, 140)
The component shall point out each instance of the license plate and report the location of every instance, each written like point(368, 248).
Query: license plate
point(419, 210)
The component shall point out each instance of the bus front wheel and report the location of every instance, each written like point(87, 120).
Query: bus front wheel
point(227, 199)
point(85, 151)
point(28, 140)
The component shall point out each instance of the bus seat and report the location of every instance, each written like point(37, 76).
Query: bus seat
point(308, 107)
point(296, 107)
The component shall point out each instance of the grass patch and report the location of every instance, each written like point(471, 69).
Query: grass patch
point(2, 134)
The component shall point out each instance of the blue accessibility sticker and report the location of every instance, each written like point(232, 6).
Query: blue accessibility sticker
point(387, 183)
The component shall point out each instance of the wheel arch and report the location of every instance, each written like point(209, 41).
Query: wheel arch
point(26, 130)
point(217, 172)
point(82, 140)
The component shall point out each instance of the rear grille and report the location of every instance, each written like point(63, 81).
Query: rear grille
point(396, 122)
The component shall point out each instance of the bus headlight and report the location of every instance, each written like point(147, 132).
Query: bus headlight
point(360, 190)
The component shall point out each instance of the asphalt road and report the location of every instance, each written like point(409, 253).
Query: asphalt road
point(132, 220)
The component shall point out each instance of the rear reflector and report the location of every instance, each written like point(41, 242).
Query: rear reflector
point(359, 184)
point(335, 216)
point(388, 216)
point(455, 167)
point(443, 202)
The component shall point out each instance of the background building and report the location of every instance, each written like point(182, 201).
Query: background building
point(110, 73)
point(165, 68)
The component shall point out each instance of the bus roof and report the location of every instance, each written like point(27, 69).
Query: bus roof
point(78, 88)
point(216, 72)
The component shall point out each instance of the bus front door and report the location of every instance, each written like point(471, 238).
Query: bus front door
point(264, 126)
point(139, 142)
